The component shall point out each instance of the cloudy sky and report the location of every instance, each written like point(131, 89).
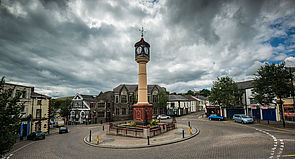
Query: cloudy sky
point(68, 47)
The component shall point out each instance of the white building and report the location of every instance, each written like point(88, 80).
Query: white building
point(179, 105)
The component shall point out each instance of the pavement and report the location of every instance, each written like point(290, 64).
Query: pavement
point(123, 142)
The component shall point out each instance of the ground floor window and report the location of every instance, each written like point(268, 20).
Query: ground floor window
point(117, 111)
point(123, 111)
point(38, 126)
point(155, 111)
point(100, 114)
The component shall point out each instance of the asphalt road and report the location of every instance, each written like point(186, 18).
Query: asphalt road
point(217, 139)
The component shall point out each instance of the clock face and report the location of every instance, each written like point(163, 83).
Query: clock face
point(146, 50)
point(138, 50)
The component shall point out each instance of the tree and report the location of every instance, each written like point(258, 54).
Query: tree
point(64, 106)
point(190, 92)
point(163, 100)
point(204, 92)
point(225, 92)
point(10, 117)
point(272, 81)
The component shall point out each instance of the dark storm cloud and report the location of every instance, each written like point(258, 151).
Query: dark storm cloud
point(179, 76)
point(34, 45)
point(195, 17)
point(65, 47)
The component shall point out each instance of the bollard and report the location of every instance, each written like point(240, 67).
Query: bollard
point(268, 122)
point(90, 136)
point(148, 140)
point(182, 133)
point(103, 128)
point(189, 124)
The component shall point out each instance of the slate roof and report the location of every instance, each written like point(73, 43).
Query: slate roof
point(202, 97)
point(105, 96)
point(245, 84)
point(177, 98)
point(191, 98)
point(133, 87)
point(88, 97)
point(38, 95)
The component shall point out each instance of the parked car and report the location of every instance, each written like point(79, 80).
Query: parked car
point(60, 123)
point(63, 129)
point(215, 117)
point(36, 135)
point(162, 117)
point(242, 118)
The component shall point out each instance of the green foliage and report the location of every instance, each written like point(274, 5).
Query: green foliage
point(225, 92)
point(163, 100)
point(190, 92)
point(10, 117)
point(204, 92)
point(271, 81)
point(63, 105)
point(132, 123)
point(154, 122)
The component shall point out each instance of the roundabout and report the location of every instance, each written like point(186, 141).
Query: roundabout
point(101, 139)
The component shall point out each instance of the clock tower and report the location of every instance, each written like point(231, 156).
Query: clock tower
point(142, 111)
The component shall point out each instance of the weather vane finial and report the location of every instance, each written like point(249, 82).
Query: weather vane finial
point(141, 31)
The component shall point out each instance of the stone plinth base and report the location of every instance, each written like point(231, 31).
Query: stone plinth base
point(141, 112)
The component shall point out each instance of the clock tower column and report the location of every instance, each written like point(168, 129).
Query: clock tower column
point(142, 111)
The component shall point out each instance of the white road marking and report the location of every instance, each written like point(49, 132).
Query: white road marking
point(275, 140)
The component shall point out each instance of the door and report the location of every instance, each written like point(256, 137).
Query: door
point(269, 114)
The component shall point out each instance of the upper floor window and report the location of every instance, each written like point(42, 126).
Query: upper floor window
point(252, 101)
point(130, 99)
point(24, 94)
point(91, 105)
point(38, 102)
point(123, 99)
point(172, 104)
point(117, 99)
point(17, 92)
point(155, 98)
point(38, 113)
point(99, 105)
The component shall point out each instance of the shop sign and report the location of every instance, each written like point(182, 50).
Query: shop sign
point(289, 114)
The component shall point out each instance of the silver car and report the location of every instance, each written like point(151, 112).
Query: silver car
point(242, 118)
point(163, 117)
